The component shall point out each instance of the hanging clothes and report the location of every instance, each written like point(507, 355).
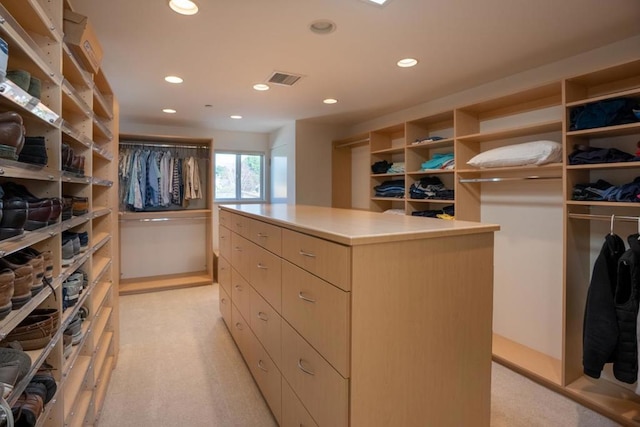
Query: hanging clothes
point(600, 332)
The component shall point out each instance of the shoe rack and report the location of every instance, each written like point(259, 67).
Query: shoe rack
point(538, 306)
point(76, 109)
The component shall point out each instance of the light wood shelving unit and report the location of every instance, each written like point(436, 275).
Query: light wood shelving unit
point(78, 108)
point(155, 282)
point(541, 112)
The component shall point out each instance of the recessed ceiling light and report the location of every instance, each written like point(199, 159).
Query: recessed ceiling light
point(169, 110)
point(236, 117)
point(407, 62)
point(173, 79)
point(330, 101)
point(183, 7)
point(322, 26)
point(261, 86)
point(377, 2)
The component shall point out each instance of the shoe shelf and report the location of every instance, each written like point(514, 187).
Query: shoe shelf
point(78, 353)
point(100, 211)
point(24, 47)
point(73, 102)
point(100, 354)
point(68, 315)
point(21, 100)
point(48, 409)
point(80, 412)
point(75, 178)
point(29, 238)
point(73, 71)
point(101, 128)
point(34, 18)
point(104, 153)
point(16, 316)
point(102, 182)
point(73, 384)
point(37, 359)
point(101, 105)
point(104, 95)
point(102, 239)
point(101, 320)
point(99, 295)
point(101, 386)
point(76, 264)
point(75, 134)
point(75, 221)
point(15, 169)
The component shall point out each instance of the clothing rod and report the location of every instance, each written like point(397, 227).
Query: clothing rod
point(162, 219)
point(152, 144)
point(604, 217)
point(348, 144)
point(496, 179)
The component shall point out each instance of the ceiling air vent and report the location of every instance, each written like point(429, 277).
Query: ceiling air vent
point(284, 79)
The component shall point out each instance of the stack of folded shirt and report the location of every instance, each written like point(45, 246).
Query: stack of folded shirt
point(584, 155)
point(397, 167)
point(448, 212)
point(602, 190)
point(430, 187)
point(440, 161)
point(380, 167)
point(393, 188)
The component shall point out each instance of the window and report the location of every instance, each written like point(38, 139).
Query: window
point(239, 176)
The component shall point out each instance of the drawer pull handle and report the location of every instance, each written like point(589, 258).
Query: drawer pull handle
point(303, 369)
point(223, 300)
point(307, 254)
point(263, 267)
point(305, 298)
point(223, 237)
point(261, 366)
point(238, 287)
point(262, 235)
point(238, 248)
point(239, 326)
point(263, 316)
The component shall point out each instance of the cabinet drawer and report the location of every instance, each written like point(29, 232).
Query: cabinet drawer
point(294, 413)
point(241, 254)
point(240, 331)
point(225, 306)
point(320, 312)
point(266, 323)
point(325, 259)
point(224, 274)
point(241, 293)
point(266, 275)
point(266, 235)
point(267, 376)
point(240, 225)
point(224, 241)
point(224, 218)
point(322, 390)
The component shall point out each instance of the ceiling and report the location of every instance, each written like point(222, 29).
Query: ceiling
point(231, 45)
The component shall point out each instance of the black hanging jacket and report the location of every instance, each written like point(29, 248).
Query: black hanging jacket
point(600, 331)
point(625, 365)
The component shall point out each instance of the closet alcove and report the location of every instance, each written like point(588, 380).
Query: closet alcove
point(165, 244)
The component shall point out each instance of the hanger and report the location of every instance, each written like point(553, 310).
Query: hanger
point(613, 218)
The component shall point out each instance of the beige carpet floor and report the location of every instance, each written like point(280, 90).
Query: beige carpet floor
point(178, 366)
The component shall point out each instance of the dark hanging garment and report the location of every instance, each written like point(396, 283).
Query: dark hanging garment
point(600, 332)
point(625, 365)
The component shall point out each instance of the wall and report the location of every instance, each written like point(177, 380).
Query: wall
point(313, 163)
point(282, 144)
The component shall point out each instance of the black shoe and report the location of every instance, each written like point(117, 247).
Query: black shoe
point(34, 151)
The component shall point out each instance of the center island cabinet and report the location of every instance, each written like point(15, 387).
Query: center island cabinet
point(361, 319)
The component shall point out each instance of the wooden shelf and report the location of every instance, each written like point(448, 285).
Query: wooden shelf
point(620, 165)
point(387, 175)
point(103, 383)
point(73, 383)
point(447, 202)
point(526, 130)
point(393, 150)
point(628, 129)
point(77, 417)
point(610, 204)
point(447, 142)
point(625, 93)
point(158, 283)
point(430, 172)
point(604, 396)
point(526, 360)
point(524, 169)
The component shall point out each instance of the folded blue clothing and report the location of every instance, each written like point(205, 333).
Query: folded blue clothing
point(437, 161)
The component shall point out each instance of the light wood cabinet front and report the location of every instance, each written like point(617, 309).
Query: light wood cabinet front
point(240, 331)
point(241, 293)
point(241, 254)
point(294, 413)
point(225, 306)
point(240, 225)
point(325, 259)
point(225, 242)
point(224, 218)
point(320, 312)
point(265, 275)
point(322, 390)
point(224, 274)
point(266, 324)
point(267, 376)
point(266, 235)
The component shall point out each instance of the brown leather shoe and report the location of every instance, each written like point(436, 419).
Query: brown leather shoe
point(35, 261)
point(11, 135)
point(7, 276)
point(80, 206)
point(22, 283)
point(27, 409)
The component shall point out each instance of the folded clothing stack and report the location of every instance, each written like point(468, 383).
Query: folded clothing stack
point(393, 188)
point(430, 187)
point(602, 190)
